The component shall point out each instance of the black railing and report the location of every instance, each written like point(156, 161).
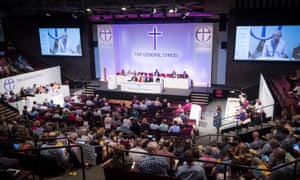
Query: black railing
point(36, 150)
point(270, 170)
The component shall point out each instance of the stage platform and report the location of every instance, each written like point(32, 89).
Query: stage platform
point(172, 94)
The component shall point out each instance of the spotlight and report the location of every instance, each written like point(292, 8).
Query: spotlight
point(123, 8)
point(184, 15)
point(154, 10)
point(74, 15)
point(172, 10)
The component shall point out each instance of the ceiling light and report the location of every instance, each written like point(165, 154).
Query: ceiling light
point(172, 10)
point(154, 10)
point(47, 14)
point(187, 13)
point(123, 8)
point(88, 10)
point(74, 15)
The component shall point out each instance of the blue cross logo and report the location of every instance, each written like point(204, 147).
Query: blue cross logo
point(155, 34)
point(105, 34)
point(261, 34)
point(9, 84)
point(203, 34)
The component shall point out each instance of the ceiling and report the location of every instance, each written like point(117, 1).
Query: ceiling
point(113, 7)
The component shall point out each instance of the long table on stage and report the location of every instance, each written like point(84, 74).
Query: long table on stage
point(141, 87)
point(178, 83)
point(174, 83)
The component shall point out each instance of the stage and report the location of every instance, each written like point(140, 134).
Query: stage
point(172, 94)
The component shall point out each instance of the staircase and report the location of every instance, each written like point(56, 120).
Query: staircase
point(8, 113)
point(200, 98)
point(89, 89)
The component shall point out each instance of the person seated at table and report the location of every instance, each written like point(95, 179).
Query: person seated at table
point(156, 73)
point(185, 75)
point(134, 78)
point(123, 72)
point(140, 77)
point(174, 74)
point(148, 78)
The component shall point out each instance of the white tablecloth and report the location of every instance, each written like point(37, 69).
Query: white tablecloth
point(141, 87)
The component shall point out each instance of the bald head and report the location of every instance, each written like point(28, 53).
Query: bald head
point(152, 146)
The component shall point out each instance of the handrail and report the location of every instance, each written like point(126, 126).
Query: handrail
point(234, 115)
point(35, 149)
point(44, 148)
point(295, 162)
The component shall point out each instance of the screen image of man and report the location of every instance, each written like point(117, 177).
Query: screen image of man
point(275, 47)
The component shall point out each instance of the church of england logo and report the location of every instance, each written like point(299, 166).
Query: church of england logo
point(105, 34)
point(9, 84)
point(203, 34)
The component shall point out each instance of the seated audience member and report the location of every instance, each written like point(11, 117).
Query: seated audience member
point(190, 170)
point(288, 142)
point(164, 126)
point(120, 158)
point(206, 155)
point(165, 151)
point(241, 114)
point(9, 163)
point(175, 128)
point(226, 158)
point(277, 158)
point(257, 143)
point(233, 172)
point(153, 164)
point(136, 153)
point(60, 154)
point(269, 146)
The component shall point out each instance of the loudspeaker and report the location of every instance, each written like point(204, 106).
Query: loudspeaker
point(223, 45)
point(222, 22)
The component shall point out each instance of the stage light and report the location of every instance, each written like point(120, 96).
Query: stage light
point(184, 15)
point(88, 9)
point(154, 10)
point(74, 15)
point(172, 10)
point(123, 8)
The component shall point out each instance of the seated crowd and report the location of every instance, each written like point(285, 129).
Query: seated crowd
point(12, 61)
point(149, 131)
point(13, 96)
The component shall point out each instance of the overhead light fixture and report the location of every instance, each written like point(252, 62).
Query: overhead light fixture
point(123, 8)
point(154, 11)
point(184, 15)
point(74, 15)
point(47, 14)
point(172, 10)
point(88, 10)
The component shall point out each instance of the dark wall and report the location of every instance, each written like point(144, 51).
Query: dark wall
point(244, 74)
point(23, 33)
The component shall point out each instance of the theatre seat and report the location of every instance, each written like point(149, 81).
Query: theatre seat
point(218, 93)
